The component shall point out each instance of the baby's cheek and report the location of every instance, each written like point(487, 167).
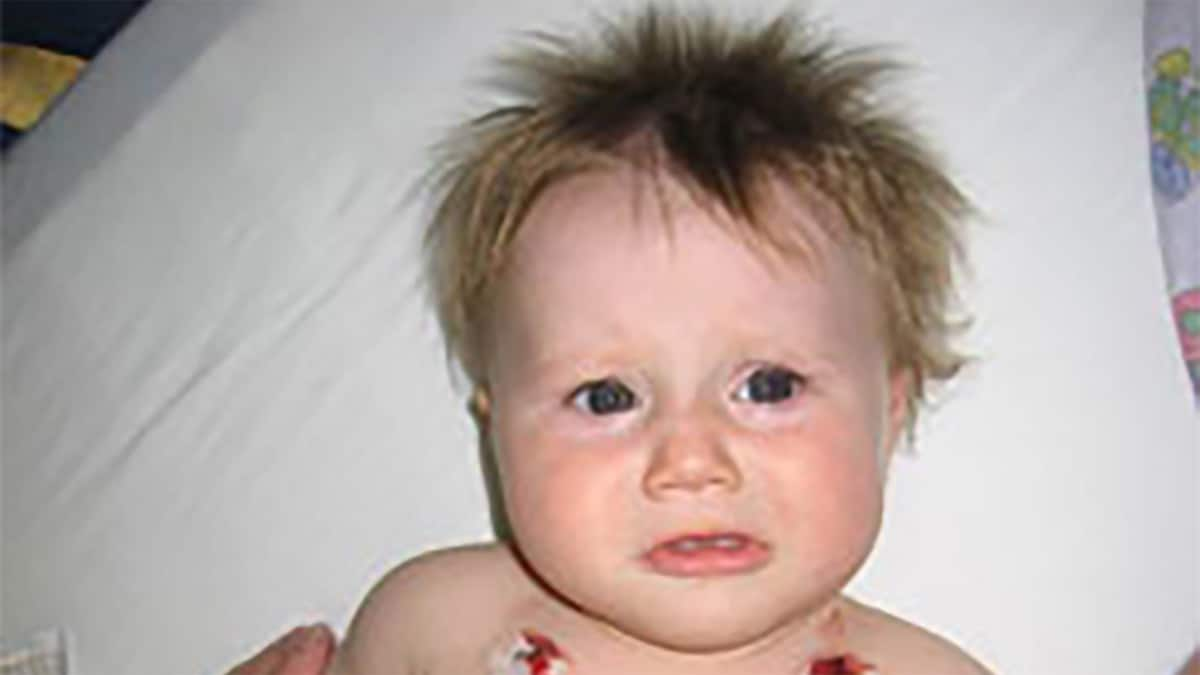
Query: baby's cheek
point(567, 531)
point(555, 499)
point(834, 496)
point(539, 522)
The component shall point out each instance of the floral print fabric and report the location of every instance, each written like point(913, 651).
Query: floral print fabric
point(1172, 47)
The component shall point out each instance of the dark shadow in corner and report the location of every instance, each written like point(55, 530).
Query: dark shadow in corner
point(77, 133)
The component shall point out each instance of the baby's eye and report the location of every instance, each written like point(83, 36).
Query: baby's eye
point(769, 385)
point(603, 397)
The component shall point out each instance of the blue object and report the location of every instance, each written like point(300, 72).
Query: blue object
point(1172, 178)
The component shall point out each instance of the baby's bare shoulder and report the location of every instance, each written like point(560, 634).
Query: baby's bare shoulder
point(447, 599)
point(903, 648)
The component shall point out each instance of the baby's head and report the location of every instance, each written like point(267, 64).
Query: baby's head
point(700, 284)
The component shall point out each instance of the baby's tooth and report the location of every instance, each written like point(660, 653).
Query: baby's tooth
point(692, 544)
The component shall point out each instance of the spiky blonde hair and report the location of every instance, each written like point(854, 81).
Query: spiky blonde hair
point(725, 106)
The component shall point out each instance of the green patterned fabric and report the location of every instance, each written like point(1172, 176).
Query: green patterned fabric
point(1173, 103)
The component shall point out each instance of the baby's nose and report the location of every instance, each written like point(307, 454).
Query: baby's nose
point(691, 461)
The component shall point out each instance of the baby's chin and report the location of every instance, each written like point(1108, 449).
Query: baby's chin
point(721, 625)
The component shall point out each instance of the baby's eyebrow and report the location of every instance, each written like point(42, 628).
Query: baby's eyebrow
point(560, 370)
point(803, 357)
point(583, 363)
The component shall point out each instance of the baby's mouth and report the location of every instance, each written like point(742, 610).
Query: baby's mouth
point(707, 554)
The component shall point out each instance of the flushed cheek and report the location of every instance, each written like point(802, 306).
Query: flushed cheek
point(553, 493)
point(563, 506)
point(832, 499)
point(570, 532)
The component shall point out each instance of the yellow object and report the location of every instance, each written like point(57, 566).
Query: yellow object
point(1174, 64)
point(30, 79)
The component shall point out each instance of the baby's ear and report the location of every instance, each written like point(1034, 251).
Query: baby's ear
point(899, 386)
point(480, 406)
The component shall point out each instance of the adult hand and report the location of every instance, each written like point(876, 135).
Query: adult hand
point(303, 651)
point(1192, 667)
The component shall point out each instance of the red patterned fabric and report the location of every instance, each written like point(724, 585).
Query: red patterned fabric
point(847, 664)
point(539, 655)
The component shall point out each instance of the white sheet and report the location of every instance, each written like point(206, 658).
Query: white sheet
point(224, 404)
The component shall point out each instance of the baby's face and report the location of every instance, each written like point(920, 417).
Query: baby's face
point(691, 437)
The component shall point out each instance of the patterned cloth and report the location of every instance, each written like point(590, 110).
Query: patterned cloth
point(44, 654)
point(1172, 48)
point(842, 665)
point(530, 653)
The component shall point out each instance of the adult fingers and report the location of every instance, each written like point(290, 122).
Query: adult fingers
point(311, 653)
point(270, 659)
point(1192, 667)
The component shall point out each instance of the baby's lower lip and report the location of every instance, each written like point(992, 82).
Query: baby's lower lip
point(716, 554)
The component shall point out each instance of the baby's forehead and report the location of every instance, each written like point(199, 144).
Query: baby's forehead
point(788, 227)
point(590, 252)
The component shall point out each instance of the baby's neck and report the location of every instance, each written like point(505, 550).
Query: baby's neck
point(790, 649)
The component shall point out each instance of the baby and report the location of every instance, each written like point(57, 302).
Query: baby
point(699, 282)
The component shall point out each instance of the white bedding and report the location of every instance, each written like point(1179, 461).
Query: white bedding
point(225, 408)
